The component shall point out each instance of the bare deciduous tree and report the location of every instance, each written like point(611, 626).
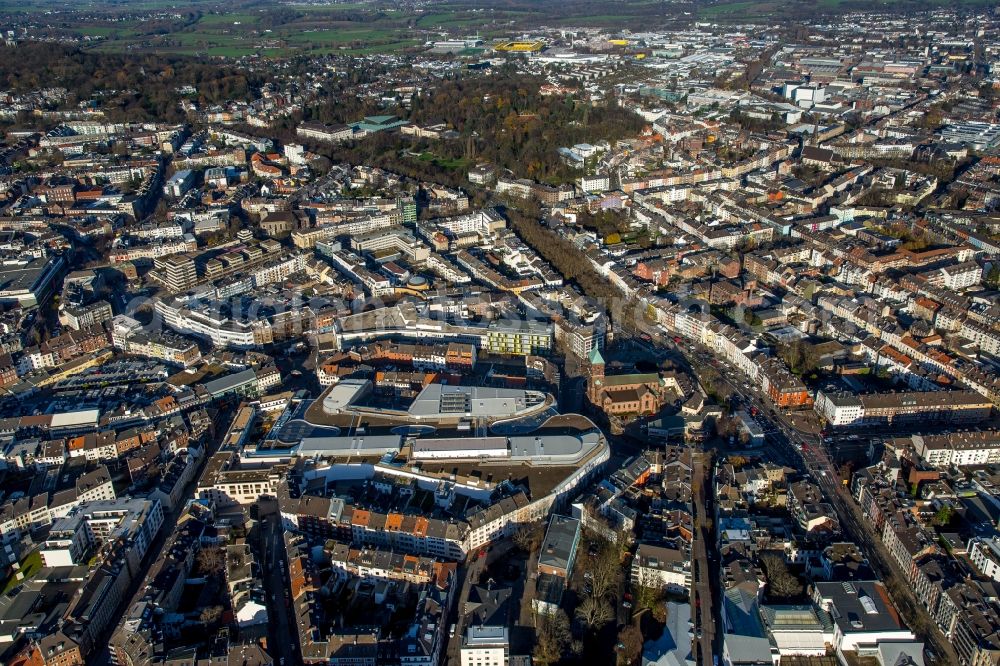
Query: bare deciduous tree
point(211, 560)
point(604, 569)
point(780, 581)
point(527, 537)
point(210, 615)
point(595, 612)
point(554, 637)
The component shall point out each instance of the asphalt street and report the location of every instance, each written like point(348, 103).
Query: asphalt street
point(282, 635)
point(806, 452)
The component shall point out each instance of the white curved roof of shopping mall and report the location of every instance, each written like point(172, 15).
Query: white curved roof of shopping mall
point(343, 393)
point(566, 448)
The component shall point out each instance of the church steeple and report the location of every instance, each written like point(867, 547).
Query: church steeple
point(596, 374)
point(595, 358)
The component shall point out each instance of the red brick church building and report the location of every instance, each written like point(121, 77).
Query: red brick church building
point(631, 394)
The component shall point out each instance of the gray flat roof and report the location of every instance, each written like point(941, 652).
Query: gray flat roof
point(459, 444)
point(442, 399)
point(229, 382)
point(749, 648)
point(560, 542)
point(526, 326)
point(358, 445)
point(487, 635)
point(546, 445)
point(860, 606)
point(18, 277)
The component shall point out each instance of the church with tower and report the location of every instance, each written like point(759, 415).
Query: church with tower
point(628, 394)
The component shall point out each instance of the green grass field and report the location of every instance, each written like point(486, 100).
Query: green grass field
point(29, 567)
point(341, 36)
point(443, 163)
point(227, 20)
point(97, 30)
point(458, 19)
point(238, 51)
point(340, 6)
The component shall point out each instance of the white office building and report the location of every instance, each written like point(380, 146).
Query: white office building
point(485, 646)
point(985, 555)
